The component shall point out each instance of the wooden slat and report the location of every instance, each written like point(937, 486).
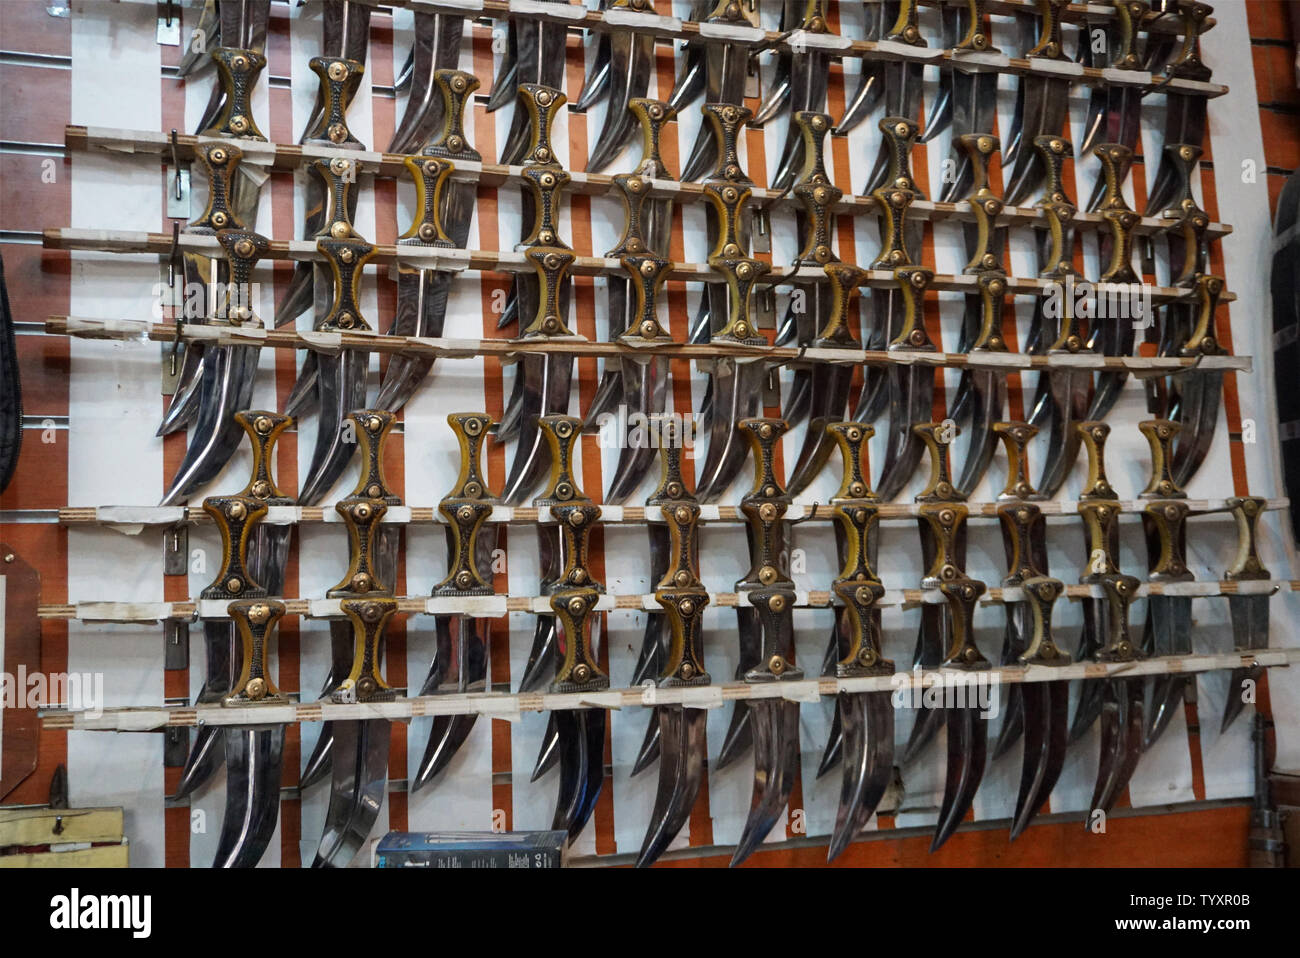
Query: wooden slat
point(103, 856)
point(36, 826)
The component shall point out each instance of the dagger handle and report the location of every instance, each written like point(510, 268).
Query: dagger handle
point(851, 438)
point(900, 133)
point(683, 573)
point(726, 120)
point(237, 73)
point(672, 488)
point(742, 275)
point(1187, 219)
point(767, 544)
point(430, 175)
point(456, 87)
point(547, 184)
point(992, 286)
point(1049, 45)
point(685, 612)
point(1187, 63)
point(814, 17)
point(243, 250)
point(634, 191)
point(543, 105)
point(1023, 529)
point(372, 428)
point(984, 203)
point(961, 595)
point(817, 200)
point(775, 608)
point(945, 523)
point(551, 263)
point(1120, 591)
point(339, 78)
point(1160, 435)
point(576, 520)
point(728, 201)
point(1120, 224)
point(937, 437)
point(1054, 151)
point(763, 435)
point(845, 280)
point(1042, 592)
point(1246, 564)
point(1093, 435)
point(362, 517)
point(471, 429)
point(220, 162)
point(1165, 524)
point(857, 519)
point(236, 517)
point(1101, 539)
point(863, 656)
point(731, 11)
point(338, 177)
point(976, 38)
point(912, 282)
point(813, 128)
point(647, 275)
point(1116, 161)
point(263, 428)
point(561, 434)
point(346, 258)
point(653, 116)
point(255, 621)
point(578, 671)
point(979, 149)
point(1015, 437)
point(466, 508)
point(893, 205)
point(1129, 17)
point(905, 29)
point(1202, 341)
point(369, 617)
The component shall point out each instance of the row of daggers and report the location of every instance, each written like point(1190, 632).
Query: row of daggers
point(354, 753)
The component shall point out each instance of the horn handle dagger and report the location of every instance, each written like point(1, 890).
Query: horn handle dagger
point(857, 519)
point(763, 435)
point(845, 280)
point(1101, 539)
point(263, 428)
point(578, 672)
point(726, 120)
point(1023, 526)
point(984, 203)
point(961, 595)
point(1129, 17)
point(1116, 161)
point(905, 29)
point(653, 116)
point(1120, 591)
point(456, 87)
point(945, 522)
point(813, 128)
point(685, 611)
point(551, 263)
point(1246, 564)
point(372, 428)
point(346, 258)
point(1054, 150)
point(561, 433)
point(817, 200)
point(430, 175)
point(543, 105)
point(1015, 437)
point(1165, 523)
point(1187, 64)
point(338, 175)
point(742, 275)
point(912, 282)
point(938, 436)
point(1042, 592)
point(1120, 224)
point(647, 275)
point(1049, 45)
point(775, 607)
point(976, 38)
point(863, 656)
point(237, 73)
point(992, 286)
point(1093, 435)
point(244, 249)
point(851, 438)
point(1160, 435)
point(1187, 219)
point(728, 199)
point(576, 520)
point(672, 488)
point(220, 162)
point(235, 516)
point(362, 517)
point(634, 190)
point(1203, 341)
point(255, 621)
point(339, 78)
point(369, 617)
point(467, 507)
point(683, 531)
point(764, 506)
point(547, 184)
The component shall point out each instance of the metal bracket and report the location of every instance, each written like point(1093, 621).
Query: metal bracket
point(178, 185)
point(176, 746)
point(176, 550)
point(169, 23)
point(765, 307)
point(762, 231)
point(176, 644)
point(171, 352)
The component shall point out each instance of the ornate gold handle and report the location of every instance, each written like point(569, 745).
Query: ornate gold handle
point(220, 162)
point(742, 275)
point(339, 79)
point(579, 671)
point(851, 438)
point(1054, 151)
point(1015, 437)
point(255, 621)
point(430, 175)
point(976, 37)
point(845, 280)
point(775, 608)
point(984, 203)
point(1160, 438)
point(346, 258)
point(938, 437)
point(653, 116)
point(1093, 435)
point(243, 250)
point(372, 428)
point(547, 184)
point(369, 617)
point(946, 523)
point(1042, 592)
point(813, 128)
point(466, 508)
point(237, 73)
point(863, 656)
point(1246, 564)
point(905, 29)
point(1187, 63)
point(912, 282)
point(456, 87)
point(647, 274)
point(551, 264)
point(263, 428)
point(685, 612)
point(1129, 18)
point(338, 177)
point(576, 520)
point(1203, 341)
point(362, 518)
point(1101, 539)
point(1167, 523)
point(634, 190)
point(961, 595)
point(683, 519)
point(1049, 45)
point(728, 201)
point(561, 434)
point(726, 121)
point(1120, 591)
point(1024, 525)
point(235, 516)
point(543, 105)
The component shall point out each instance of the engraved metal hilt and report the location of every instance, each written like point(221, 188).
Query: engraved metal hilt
point(852, 438)
point(1101, 539)
point(456, 87)
point(1015, 437)
point(1130, 16)
point(685, 612)
point(255, 621)
point(372, 428)
point(647, 275)
point(1054, 151)
point(236, 517)
point(430, 175)
point(1187, 64)
point(362, 518)
point(763, 435)
point(742, 275)
point(817, 199)
point(728, 201)
point(369, 617)
point(976, 38)
point(346, 258)
point(244, 249)
point(263, 429)
point(844, 280)
point(896, 196)
point(339, 79)
point(912, 282)
point(986, 205)
point(726, 121)
point(1120, 223)
point(220, 162)
point(764, 506)
point(1120, 591)
point(466, 508)
point(237, 73)
point(1186, 218)
point(775, 609)
point(547, 185)
point(1203, 340)
point(961, 595)
point(561, 434)
point(578, 671)
point(813, 128)
point(543, 105)
point(683, 573)
point(944, 523)
point(1096, 487)
point(634, 190)
point(1049, 45)
point(338, 178)
point(1165, 524)
point(1042, 593)
point(1246, 564)
point(905, 29)
point(863, 656)
point(1160, 435)
point(938, 436)
point(551, 264)
point(652, 115)
point(1116, 161)
point(992, 288)
point(1024, 534)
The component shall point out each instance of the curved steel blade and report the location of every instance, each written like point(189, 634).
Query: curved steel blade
point(545, 391)
point(1121, 740)
point(989, 392)
point(967, 753)
point(1045, 102)
point(645, 392)
point(689, 83)
point(1249, 614)
point(737, 395)
point(436, 46)
point(1199, 415)
point(725, 68)
point(681, 730)
point(632, 60)
point(740, 731)
point(253, 758)
point(868, 720)
point(449, 732)
point(1046, 707)
point(341, 385)
point(829, 391)
point(596, 80)
point(582, 767)
point(911, 391)
point(1015, 641)
point(504, 86)
point(209, 27)
point(357, 793)
point(322, 755)
point(775, 725)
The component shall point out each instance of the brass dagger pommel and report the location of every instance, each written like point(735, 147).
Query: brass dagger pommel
point(346, 258)
point(1015, 437)
point(263, 429)
point(852, 438)
point(220, 162)
point(653, 116)
point(729, 201)
point(1246, 564)
point(372, 428)
point(1097, 487)
point(551, 263)
point(255, 621)
point(578, 672)
point(243, 249)
point(1160, 435)
point(561, 434)
point(547, 184)
point(456, 87)
point(726, 121)
point(466, 508)
point(369, 617)
point(775, 608)
point(430, 175)
point(338, 180)
point(339, 78)
point(762, 436)
point(647, 275)
point(1042, 592)
point(543, 105)
point(961, 594)
point(685, 612)
point(237, 73)
point(362, 518)
point(235, 516)
point(938, 437)
point(863, 656)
